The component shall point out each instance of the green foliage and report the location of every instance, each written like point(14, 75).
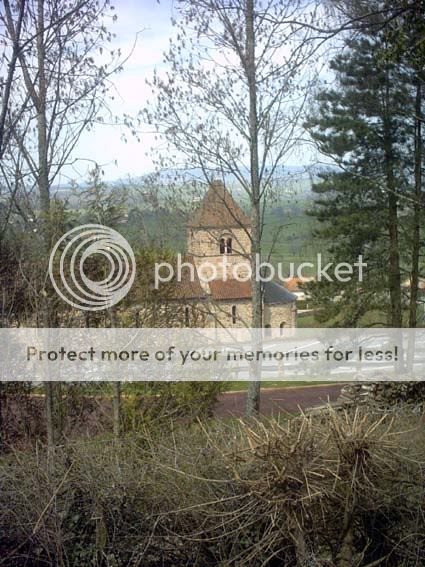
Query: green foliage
point(163, 403)
point(102, 204)
point(364, 124)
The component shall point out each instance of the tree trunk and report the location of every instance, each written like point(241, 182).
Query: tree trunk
point(394, 279)
point(52, 437)
point(394, 276)
point(414, 277)
point(116, 400)
point(2, 324)
point(43, 171)
point(253, 394)
point(52, 413)
point(7, 85)
point(1, 419)
point(416, 236)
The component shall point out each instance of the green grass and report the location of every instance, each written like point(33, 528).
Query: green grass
point(307, 321)
point(141, 388)
point(242, 386)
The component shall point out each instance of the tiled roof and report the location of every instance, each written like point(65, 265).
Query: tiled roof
point(233, 289)
point(218, 210)
point(295, 284)
point(189, 288)
point(226, 290)
point(230, 289)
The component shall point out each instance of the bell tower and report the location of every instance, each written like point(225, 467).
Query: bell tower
point(218, 236)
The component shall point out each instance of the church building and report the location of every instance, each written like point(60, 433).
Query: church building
point(216, 271)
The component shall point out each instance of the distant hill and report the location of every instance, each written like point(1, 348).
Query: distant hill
point(282, 173)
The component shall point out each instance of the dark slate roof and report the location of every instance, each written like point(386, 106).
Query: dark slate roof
point(276, 293)
point(218, 210)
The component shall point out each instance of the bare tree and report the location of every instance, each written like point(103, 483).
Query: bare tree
point(230, 106)
point(10, 61)
point(58, 85)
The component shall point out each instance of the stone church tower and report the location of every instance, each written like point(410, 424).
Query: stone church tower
point(218, 251)
point(218, 234)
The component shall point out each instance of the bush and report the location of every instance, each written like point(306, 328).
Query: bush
point(85, 409)
point(336, 489)
point(167, 402)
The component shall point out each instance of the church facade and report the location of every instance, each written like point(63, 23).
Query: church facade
point(215, 284)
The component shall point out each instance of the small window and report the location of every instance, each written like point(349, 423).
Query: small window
point(186, 316)
point(222, 246)
point(229, 248)
point(234, 314)
point(268, 330)
point(281, 327)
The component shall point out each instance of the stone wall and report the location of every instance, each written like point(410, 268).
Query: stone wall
point(200, 314)
point(277, 314)
point(222, 314)
point(385, 394)
point(204, 245)
point(274, 315)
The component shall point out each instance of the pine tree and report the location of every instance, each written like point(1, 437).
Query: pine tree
point(102, 204)
point(363, 123)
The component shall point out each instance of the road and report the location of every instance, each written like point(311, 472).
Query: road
point(273, 400)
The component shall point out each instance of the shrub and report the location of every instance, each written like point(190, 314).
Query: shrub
point(85, 409)
point(334, 489)
point(168, 402)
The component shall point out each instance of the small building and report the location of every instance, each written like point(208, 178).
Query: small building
point(421, 286)
point(297, 287)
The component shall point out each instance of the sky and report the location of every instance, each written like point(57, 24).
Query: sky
point(148, 22)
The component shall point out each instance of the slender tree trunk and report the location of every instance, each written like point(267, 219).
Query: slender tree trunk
point(1, 419)
point(416, 236)
point(2, 324)
point(253, 394)
point(116, 402)
point(51, 389)
point(10, 71)
point(43, 171)
point(50, 414)
point(116, 399)
point(394, 278)
point(416, 245)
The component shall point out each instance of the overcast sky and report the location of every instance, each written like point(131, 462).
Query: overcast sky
point(104, 144)
point(150, 22)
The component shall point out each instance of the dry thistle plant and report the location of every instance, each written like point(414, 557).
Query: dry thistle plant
point(336, 489)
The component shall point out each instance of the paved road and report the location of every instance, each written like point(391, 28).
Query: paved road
point(275, 400)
